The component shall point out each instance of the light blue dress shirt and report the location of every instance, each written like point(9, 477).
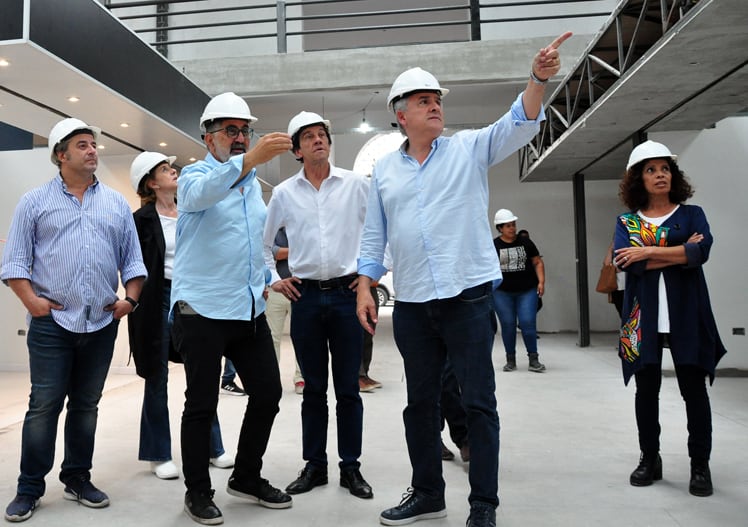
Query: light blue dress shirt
point(434, 215)
point(218, 266)
point(72, 251)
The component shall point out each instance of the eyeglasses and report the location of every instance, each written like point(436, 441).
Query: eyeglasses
point(233, 131)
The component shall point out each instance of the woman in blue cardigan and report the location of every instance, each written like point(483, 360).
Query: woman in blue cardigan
point(662, 245)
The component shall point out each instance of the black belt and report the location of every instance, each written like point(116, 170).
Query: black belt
point(332, 283)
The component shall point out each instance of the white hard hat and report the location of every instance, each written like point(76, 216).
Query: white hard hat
point(144, 163)
point(414, 79)
point(226, 106)
point(302, 119)
point(504, 216)
point(65, 128)
point(649, 150)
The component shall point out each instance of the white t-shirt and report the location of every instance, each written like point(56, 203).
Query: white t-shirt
point(169, 226)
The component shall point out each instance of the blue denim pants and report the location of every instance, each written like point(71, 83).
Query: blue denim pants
point(461, 329)
point(62, 364)
point(324, 322)
point(155, 432)
point(517, 307)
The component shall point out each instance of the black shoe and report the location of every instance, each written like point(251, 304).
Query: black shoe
point(262, 492)
point(309, 478)
point(701, 479)
point(352, 480)
point(649, 470)
point(200, 507)
point(231, 388)
point(414, 507)
point(481, 515)
point(80, 489)
point(447, 454)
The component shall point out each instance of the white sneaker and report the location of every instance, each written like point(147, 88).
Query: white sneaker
point(222, 461)
point(165, 469)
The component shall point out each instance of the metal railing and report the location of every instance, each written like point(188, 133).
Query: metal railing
point(249, 17)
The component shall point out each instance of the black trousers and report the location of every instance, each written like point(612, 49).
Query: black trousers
point(249, 345)
point(692, 385)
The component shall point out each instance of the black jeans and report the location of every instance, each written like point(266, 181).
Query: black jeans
point(202, 342)
point(692, 384)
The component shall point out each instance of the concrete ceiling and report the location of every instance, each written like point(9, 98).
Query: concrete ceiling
point(693, 76)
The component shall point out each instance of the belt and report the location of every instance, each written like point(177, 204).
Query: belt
point(332, 283)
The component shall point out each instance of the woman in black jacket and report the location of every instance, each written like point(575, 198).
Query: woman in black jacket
point(155, 181)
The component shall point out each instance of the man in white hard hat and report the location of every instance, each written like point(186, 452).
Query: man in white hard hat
point(68, 241)
point(322, 208)
point(429, 201)
point(217, 301)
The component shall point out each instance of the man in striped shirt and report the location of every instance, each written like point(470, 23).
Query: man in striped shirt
point(68, 242)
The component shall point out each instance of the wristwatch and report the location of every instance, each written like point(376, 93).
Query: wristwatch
point(133, 303)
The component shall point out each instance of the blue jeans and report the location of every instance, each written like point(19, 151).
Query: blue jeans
point(155, 433)
point(229, 372)
point(203, 342)
point(511, 308)
point(62, 364)
point(322, 323)
point(462, 330)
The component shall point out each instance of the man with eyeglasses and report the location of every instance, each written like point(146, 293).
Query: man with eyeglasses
point(217, 299)
point(322, 208)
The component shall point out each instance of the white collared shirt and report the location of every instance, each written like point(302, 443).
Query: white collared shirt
point(323, 226)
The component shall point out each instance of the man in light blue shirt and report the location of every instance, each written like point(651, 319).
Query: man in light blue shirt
point(429, 201)
point(68, 241)
point(217, 298)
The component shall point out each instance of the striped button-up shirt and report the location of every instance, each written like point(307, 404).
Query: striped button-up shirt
point(72, 251)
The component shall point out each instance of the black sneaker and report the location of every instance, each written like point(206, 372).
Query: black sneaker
point(230, 388)
point(412, 508)
point(481, 515)
point(263, 493)
point(21, 508)
point(200, 507)
point(80, 489)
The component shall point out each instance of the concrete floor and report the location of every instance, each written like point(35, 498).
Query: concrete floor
point(568, 444)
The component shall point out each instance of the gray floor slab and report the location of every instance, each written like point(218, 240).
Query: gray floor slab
point(568, 444)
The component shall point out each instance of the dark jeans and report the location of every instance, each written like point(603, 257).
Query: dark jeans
point(692, 385)
point(202, 342)
point(461, 329)
point(62, 364)
point(452, 411)
point(324, 322)
point(155, 432)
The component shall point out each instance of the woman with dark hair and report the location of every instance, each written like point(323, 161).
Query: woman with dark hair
point(155, 181)
point(662, 245)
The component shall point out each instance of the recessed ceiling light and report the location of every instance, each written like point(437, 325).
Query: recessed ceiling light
point(73, 98)
point(4, 63)
point(124, 125)
point(193, 159)
point(162, 144)
point(100, 147)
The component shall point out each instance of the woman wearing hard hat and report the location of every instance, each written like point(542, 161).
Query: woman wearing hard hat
point(522, 286)
point(662, 244)
point(155, 180)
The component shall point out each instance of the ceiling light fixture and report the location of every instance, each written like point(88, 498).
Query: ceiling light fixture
point(73, 98)
point(364, 127)
point(162, 144)
point(4, 63)
point(124, 125)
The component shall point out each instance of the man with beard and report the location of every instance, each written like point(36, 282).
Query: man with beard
point(218, 304)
